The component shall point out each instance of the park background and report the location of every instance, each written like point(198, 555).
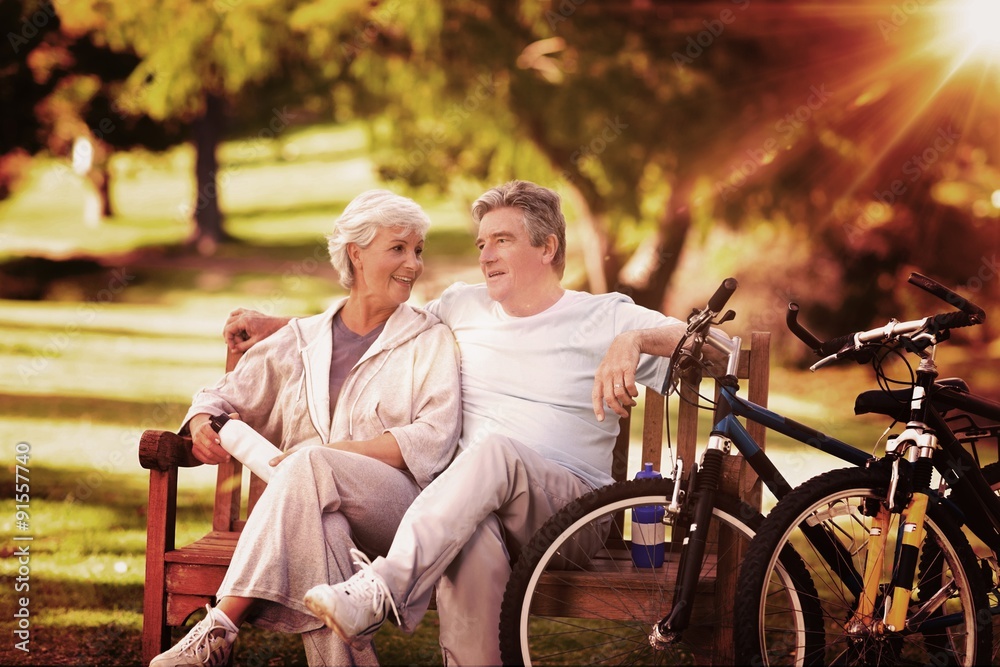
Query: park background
point(162, 163)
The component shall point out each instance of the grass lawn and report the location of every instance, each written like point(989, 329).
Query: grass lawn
point(122, 347)
point(112, 352)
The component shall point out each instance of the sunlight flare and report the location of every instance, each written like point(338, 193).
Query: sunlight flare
point(975, 25)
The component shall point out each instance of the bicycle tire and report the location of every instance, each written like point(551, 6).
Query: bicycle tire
point(991, 473)
point(833, 500)
point(620, 637)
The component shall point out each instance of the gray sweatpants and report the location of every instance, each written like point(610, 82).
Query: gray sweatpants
point(493, 496)
point(319, 504)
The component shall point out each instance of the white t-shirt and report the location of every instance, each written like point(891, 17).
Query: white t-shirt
point(530, 378)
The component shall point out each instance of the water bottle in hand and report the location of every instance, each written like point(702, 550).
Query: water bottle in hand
point(248, 447)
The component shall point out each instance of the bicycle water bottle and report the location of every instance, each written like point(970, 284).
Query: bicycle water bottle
point(246, 445)
point(648, 532)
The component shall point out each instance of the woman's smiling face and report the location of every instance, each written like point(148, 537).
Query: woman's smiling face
point(387, 269)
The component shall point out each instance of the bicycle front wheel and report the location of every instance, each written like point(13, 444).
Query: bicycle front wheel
point(552, 614)
point(948, 618)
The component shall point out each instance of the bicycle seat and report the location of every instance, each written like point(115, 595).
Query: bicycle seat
point(896, 403)
point(957, 384)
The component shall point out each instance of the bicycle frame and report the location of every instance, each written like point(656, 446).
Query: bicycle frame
point(979, 505)
point(728, 430)
point(927, 443)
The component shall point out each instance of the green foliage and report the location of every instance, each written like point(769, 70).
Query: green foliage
point(658, 120)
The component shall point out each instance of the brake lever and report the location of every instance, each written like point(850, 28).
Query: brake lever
point(824, 361)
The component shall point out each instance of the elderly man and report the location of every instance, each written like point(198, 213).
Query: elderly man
point(539, 364)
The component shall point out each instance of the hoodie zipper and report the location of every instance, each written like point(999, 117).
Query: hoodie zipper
point(385, 353)
point(307, 380)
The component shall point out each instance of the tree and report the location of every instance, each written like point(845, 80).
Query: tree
point(660, 119)
point(200, 63)
point(61, 86)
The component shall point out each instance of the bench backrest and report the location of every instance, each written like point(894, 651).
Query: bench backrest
point(229, 484)
point(755, 365)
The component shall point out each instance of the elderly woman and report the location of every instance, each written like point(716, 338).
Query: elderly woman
point(366, 396)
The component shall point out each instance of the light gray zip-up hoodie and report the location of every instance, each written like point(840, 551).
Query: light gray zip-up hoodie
point(407, 383)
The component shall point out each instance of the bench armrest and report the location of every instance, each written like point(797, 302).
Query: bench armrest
point(163, 450)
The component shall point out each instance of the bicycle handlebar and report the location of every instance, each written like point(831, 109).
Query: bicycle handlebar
point(722, 295)
point(700, 320)
point(699, 330)
point(803, 334)
point(976, 314)
point(968, 314)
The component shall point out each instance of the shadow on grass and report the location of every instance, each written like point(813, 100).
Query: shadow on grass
point(120, 644)
point(79, 621)
point(331, 208)
point(95, 408)
point(114, 490)
point(71, 498)
point(108, 644)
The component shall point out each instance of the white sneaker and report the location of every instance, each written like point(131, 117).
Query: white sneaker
point(208, 644)
point(356, 608)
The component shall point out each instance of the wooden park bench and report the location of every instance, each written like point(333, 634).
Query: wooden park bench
point(180, 581)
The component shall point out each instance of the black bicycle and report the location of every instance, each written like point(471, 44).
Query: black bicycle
point(908, 588)
point(654, 615)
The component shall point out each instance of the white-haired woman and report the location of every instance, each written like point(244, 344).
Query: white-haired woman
point(374, 384)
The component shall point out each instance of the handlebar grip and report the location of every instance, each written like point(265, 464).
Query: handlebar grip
point(803, 334)
point(835, 345)
point(721, 296)
point(977, 314)
point(952, 320)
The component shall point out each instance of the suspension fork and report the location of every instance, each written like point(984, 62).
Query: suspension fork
point(923, 444)
point(864, 615)
point(906, 559)
point(918, 443)
point(668, 629)
point(906, 562)
point(693, 548)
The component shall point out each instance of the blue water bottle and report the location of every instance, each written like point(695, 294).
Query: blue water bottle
point(648, 533)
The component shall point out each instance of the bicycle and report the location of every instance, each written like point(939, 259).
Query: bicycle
point(534, 628)
point(912, 591)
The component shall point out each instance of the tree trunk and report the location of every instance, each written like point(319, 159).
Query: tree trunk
point(659, 259)
point(100, 176)
point(599, 258)
point(206, 134)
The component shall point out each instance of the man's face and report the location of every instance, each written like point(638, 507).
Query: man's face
point(515, 271)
